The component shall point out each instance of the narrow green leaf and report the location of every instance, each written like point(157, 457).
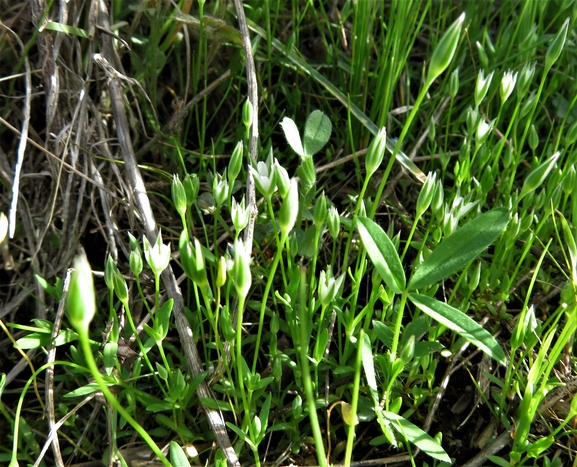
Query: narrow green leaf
point(317, 132)
point(417, 436)
point(460, 323)
point(66, 29)
point(177, 456)
point(383, 254)
point(369, 366)
point(461, 247)
point(242, 435)
point(291, 133)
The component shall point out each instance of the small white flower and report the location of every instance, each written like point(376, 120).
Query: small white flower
point(240, 214)
point(157, 255)
point(482, 86)
point(264, 178)
point(508, 84)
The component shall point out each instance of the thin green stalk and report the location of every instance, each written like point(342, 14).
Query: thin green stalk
point(398, 324)
point(239, 370)
point(264, 299)
point(141, 347)
point(354, 402)
point(306, 372)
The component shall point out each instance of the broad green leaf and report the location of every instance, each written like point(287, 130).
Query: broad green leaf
point(383, 254)
point(317, 132)
point(305, 68)
point(291, 133)
point(384, 333)
point(460, 323)
point(417, 436)
point(461, 247)
point(177, 456)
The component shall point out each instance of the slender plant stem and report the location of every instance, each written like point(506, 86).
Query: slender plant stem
point(354, 401)
point(306, 372)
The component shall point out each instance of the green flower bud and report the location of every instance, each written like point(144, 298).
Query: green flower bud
point(438, 197)
point(240, 215)
point(508, 156)
point(221, 272)
point(426, 194)
point(454, 83)
point(527, 105)
point(376, 152)
point(134, 243)
point(362, 209)
point(408, 351)
point(569, 179)
point(109, 269)
point(179, 196)
point(320, 212)
point(282, 179)
point(220, 190)
point(475, 276)
point(247, 111)
point(507, 85)
point(556, 46)
point(240, 272)
point(289, 209)
point(482, 86)
point(334, 222)
point(571, 134)
point(554, 200)
point(487, 179)
point(472, 121)
point(525, 78)
point(482, 55)
point(445, 50)
point(328, 287)
point(306, 172)
point(483, 131)
point(192, 260)
point(432, 130)
point(136, 264)
point(81, 300)
point(538, 175)
point(157, 255)
point(191, 187)
point(235, 163)
point(120, 287)
point(533, 138)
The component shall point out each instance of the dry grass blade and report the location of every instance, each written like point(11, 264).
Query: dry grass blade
point(22, 142)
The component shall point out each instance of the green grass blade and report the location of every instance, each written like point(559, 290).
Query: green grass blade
point(383, 254)
point(460, 323)
point(461, 247)
point(304, 67)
